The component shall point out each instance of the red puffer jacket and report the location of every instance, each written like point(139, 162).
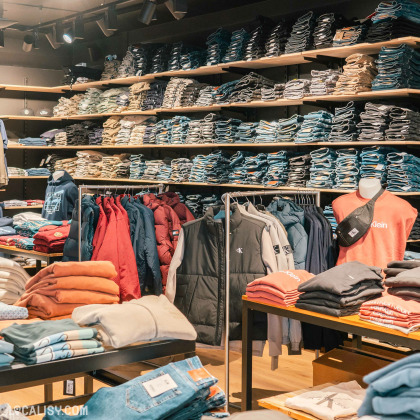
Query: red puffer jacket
point(172, 199)
point(167, 228)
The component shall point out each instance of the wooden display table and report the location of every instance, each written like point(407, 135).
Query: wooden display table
point(38, 256)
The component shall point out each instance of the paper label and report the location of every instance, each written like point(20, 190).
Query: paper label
point(159, 385)
point(199, 374)
point(353, 232)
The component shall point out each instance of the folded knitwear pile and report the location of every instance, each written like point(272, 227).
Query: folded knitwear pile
point(341, 290)
point(13, 279)
point(51, 239)
point(44, 341)
point(6, 359)
point(6, 226)
point(59, 288)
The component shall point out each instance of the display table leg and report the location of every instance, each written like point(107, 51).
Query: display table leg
point(247, 324)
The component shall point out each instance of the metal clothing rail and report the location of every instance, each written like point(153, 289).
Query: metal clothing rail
point(90, 188)
point(227, 200)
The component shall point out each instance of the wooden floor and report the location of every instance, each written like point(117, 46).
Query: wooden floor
point(294, 372)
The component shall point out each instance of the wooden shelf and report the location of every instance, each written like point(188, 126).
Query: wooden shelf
point(24, 88)
point(28, 118)
point(28, 177)
point(371, 95)
point(23, 207)
point(413, 241)
point(28, 251)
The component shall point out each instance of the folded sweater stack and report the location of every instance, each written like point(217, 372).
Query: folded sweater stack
point(279, 288)
point(341, 290)
point(41, 342)
point(6, 349)
point(13, 279)
point(59, 288)
point(51, 239)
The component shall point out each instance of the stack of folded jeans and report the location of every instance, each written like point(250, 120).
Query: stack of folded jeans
point(208, 127)
point(193, 59)
point(84, 159)
point(347, 173)
point(223, 92)
point(153, 168)
point(193, 202)
point(111, 165)
point(322, 172)
point(179, 131)
point(137, 166)
point(174, 62)
point(32, 141)
point(122, 101)
point(181, 169)
point(137, 133)
point(255, 46)
point(111, 129)
point(374, 121)
point(141, 58)
point(386, 30)
point(138, 94)
point(350, 35)
point(326, 26)
point(373, 163)
point(69, 165)
point(299, 171)
point(38, 172)
point(6, 349)
point(194, 132)
point(393, 390)
point(256, 167)
point(205, 96)
point(341, 290)
point(163, 131)
point(277, 170)
point(238, 171)
point(272, 93)
point(235, 51)
point(90, 101)
point(127, 125)
point(266, 132)
point(404, 124)
point(122, 169)
point(329, 215)
point(277, 40)
point(358, 74)
point(165, 171)
point(108, 100)
point(213, 168)
point(403, 172)
point(288, 128)
point(316, 127)
point(297, 89)
point(95, 136)
point(51, 161)
point(247, 132)
point(67, 106)
point(398, 68)
point(60, 139)
point(323, 82)
point(396, 9)
point(155, 95)
point(181, 92)
point(78, 134)
point(159, 60)
point(111, 67)
point(126, 68)
point(415, 231)
point(191, 93)
point(226, 130)
point(301, 36)
point(248, 88)
point(344, 124)
point(150, 134)
point(217, 45)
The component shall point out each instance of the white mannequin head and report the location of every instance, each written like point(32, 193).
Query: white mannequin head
point(369, 187)
point(57, 174)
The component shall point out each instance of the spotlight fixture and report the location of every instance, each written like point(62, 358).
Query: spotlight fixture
point(1, 38)
point(28, 43)
point(147, 12)
point(111, 18)
point(52, 38)
point(102, 24)
point(178, 8)
point(68, 36)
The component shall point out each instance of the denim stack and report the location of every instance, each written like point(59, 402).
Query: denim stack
point(137, 166)
point(191, 92)
point(347, 173)
point(273, 93)
point(350, 35)
point(108, 100)
point(90, 101)
point(111, 67)
point(267, 132)
point(37, 172)
point(386, 30)
point(387, 10)
point(249, 88)
point(404, 124)
point(165, 172)
point(301, 36)
point(277, 170)
point(329, 215)
point(193, 59)
point(238, 172)
point(344, 124)
point(373, 163)
point(235, 51)
point(213, 168)
point(174, 62)
point(155, 96)
point(33, 141)
point(223, 92)
point(297, 89)
point(322, 172)
point(153, 168)
point(180, 126)
point(288, 128)
point(193, 202)
point(277, 40)
point(398, 67)
point(217, 45)
point(247, 132)
point(326, 26)
point(226, 130)
point(141, 58)
point(159, 60)
point(403, 172)
point(299, 174)
point(256, 167)
point(163, 131)
point(150, 134)
point(181, 169)
point(316, 127)
point(122, 101)
point(206, 96)
point(255, 47)
point(323, 82)
point(194, 132)
point(374, 121)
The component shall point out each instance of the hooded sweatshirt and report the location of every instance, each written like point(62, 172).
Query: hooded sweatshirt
point(60, 198)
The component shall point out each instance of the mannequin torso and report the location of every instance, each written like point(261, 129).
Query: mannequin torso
point(57, 175)
point(369, 187)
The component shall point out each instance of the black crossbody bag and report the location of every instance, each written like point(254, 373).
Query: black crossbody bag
point(357, 223)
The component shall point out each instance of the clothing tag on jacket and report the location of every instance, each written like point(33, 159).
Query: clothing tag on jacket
point(175, 233)
point(287, 249)
point(159, 385)
point(276, 249)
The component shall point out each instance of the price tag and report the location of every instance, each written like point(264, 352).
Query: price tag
point(159, 385)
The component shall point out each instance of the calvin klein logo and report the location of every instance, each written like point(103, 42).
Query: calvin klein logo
point(380, 225)
point(239, 250)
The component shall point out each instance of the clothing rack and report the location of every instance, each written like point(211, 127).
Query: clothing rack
point(226, 198)
point(83, 189)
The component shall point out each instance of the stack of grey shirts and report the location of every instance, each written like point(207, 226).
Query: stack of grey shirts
point(403, 279)
point(374, 121)
point(111, 164)
point(111, 68)
point(323, 82)
point(90, 101)
point(108, 101)
point(404, 125)
point(273, 93)
point(341, 290)
point(86, 158)
point(127, 67)
point(180, 169)
point(297, 89)
point(206, 96)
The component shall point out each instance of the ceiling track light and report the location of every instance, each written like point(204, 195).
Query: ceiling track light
point(68, 36)
point(79, 28)
point(178, 8)
point(28, 43)
point(111, 18)
point(147, 12)
point(36, 39)
point(52, 38)
point(102, 24)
